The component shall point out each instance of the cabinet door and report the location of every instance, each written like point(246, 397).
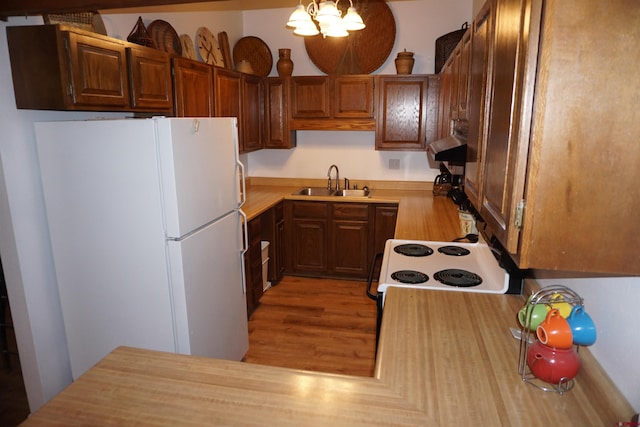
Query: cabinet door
point(277, 132)
point(252, 113)
point(500, 160)
point(307, 237)
point(279, 243)
point(480, 49)
point(193, 88)
point(310, 97)
point(406, 112)
point(349, 248)
point(228, 97)
point(150, 79)
point(352, 97)
point(463, 75)
point(385, 226)
point(98, 71)
point(253, 265)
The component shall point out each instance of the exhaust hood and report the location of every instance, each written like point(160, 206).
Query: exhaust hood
point(453, 148)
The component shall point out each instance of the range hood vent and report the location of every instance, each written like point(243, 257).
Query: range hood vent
point(453, 148)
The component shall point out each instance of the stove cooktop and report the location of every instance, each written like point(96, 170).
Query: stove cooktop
point(475, 259)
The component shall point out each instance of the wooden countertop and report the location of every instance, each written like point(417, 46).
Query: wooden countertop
point(445, 358)
point(420, 215)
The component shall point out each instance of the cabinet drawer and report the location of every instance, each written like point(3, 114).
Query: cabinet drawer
point(351, 211)
point(309, 210)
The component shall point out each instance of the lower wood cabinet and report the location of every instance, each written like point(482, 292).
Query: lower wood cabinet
point(273, 232)
point(253, 265)
point(335, 239)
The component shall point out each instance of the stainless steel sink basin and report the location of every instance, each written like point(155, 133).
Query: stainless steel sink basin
point(314, 191)
point(352, 193)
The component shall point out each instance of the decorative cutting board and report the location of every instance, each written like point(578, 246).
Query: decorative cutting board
point(362, 52)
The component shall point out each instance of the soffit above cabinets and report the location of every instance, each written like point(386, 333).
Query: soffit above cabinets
point(38, 7)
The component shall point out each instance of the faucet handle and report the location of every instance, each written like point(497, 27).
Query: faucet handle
point(346, 183)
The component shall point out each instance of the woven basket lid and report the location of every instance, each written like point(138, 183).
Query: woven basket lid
point(165, 37)
point(255, 52)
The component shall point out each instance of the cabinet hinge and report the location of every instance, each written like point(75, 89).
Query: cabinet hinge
point(519, 214)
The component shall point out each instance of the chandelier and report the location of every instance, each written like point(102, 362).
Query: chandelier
point(329, 18)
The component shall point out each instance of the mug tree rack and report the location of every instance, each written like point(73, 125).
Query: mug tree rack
point(549, 295)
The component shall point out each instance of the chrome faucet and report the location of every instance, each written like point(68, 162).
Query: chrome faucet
point(329, 178)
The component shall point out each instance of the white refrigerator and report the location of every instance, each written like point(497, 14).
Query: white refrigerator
point(147, 235)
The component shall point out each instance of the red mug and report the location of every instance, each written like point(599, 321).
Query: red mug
point(554, 331)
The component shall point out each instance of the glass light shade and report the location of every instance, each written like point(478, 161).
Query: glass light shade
point(352, 20)
point(298, 17)
point(337, 30)
point(328, 13)
point(306, 29)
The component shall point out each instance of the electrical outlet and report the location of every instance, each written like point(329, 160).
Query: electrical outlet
point(394, 164)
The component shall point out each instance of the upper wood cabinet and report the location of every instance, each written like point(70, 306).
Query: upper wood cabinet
point(150, 79)
point(480, 32)
point(252, 113)
point(278, 133)
point(407, 110)
point(61, 68)
point(558, 180)
point(193, 88)
point(332, 102)
point(310, 97)
point(352, 96)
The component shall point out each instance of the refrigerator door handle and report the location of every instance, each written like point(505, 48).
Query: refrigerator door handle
point(243, 193)
point(245, 248)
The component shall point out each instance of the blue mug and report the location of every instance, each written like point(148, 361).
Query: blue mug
point(582, 326)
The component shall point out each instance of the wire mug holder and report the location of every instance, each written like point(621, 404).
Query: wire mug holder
point(548, 296)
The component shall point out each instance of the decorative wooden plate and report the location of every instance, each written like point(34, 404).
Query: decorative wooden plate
point(188, 48)
point(208, 47)
point(362, 52)
point(256, 52)
point(165, 37)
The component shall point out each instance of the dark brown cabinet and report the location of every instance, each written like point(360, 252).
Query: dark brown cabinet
point(253, 265)
point(349, 240)
point(62, 68)
point(193, 88)
point(252, 113)
point(310, 97)
point(150, 79)
point(273, 232)
point(407, 111)
point(307, 237)
point(352, 97)
point(335, 239)
point(278, 133)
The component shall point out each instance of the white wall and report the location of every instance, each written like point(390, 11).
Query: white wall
point(24, 245)
point(418, 24)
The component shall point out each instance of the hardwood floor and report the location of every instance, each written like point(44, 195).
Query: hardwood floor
point(323, 325)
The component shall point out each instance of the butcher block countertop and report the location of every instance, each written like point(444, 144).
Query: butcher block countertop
point(444, 358)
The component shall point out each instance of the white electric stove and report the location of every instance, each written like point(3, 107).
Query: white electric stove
point(450, 266)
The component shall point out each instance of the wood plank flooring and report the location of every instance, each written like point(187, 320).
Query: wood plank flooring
point(323, 325)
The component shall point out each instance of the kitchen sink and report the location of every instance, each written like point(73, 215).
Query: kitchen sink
point(352, 193)
point(323, 191)
point(314, 191)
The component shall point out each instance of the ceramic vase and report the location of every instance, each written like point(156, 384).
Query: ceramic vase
point(285, 64)
point(404, 62)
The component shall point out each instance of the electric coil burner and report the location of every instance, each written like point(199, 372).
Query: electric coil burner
point(409, 276)
point(454, 250)
point(413, 249)
point(457, 277)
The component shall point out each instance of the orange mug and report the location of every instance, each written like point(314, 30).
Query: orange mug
point(554, 331)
